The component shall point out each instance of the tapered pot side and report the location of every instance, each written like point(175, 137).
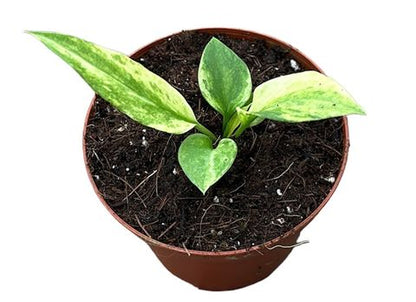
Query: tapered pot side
point(230, 269)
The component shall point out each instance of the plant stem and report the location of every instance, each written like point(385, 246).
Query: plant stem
point(229, 129)
point(225, 122)
point(206, 131)
point(240, 130)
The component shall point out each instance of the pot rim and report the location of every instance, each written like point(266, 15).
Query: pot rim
point(257, 248)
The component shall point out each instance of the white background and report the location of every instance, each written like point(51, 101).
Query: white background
point(58, 243)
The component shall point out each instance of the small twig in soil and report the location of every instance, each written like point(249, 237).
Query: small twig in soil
point(205, 213)
point(255, 60)
point(247, 196)
point(162, 160)
point(162, 204)
point(290, 182)
point(287, 200)
point(140, 184)
point(127, 197)
point(186, 250)
point(238, 188)
point(303, 179)
point(106, 160)
point(283, 173)
point(287, 246)
point(254, 139)
point(336, 130)
point(151, 223)
point(292, 215)
point(167, 230)
point(142, 227)
point(266, 70)
point(188, 198)
point(95, 154)
point(278, 141)
point(227, 224)
point(328, 147)
point(127, 184)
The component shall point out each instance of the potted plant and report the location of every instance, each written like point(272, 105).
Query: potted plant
point(228, 208)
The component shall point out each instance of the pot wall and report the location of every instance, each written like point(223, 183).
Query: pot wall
point(231, 269)
point(224, 272)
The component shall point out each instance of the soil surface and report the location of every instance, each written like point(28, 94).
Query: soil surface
point(281, 174)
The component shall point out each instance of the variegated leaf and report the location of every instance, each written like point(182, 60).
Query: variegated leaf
point(300, 97)
point(127, 85)
point(224, 79)
point(202, 164)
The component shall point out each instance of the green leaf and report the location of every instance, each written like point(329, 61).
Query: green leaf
point(245, 117)
point(202, 164)
point(224, 79)
point(246, 120)
point(300, 97)
point(131, 88)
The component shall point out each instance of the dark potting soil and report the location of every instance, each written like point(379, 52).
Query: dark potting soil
point(281, 174)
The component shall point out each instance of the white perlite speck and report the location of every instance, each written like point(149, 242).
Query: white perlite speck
point(330, 179)
point(145, 143)
point(294, 65)
point(281, 220)
point(279, 192)
point(175, 172)
point(216, 199)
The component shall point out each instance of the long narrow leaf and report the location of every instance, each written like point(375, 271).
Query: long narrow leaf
point(127, 85)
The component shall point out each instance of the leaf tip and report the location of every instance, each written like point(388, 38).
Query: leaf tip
point(30, 32)
point(37, 34)
point(361, 110)
point(203, 190)
point(214, 40)
point(358, 110)
point(216, 43)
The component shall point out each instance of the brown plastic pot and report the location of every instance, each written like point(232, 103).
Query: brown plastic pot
point(230, 269)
